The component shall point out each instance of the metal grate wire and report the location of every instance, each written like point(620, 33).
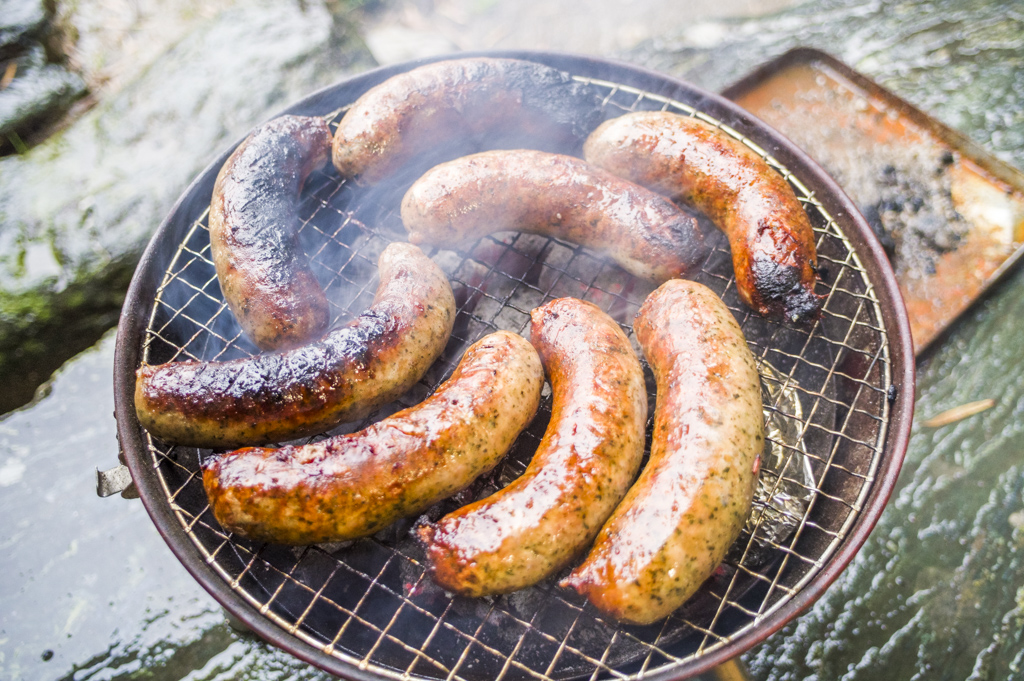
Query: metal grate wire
point(371, 604)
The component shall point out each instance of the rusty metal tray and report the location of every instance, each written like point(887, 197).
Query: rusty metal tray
point(950, 214)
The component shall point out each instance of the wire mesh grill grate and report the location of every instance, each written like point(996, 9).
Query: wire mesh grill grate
point(371, 604)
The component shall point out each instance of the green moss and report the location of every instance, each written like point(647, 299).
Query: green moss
point(43, 327)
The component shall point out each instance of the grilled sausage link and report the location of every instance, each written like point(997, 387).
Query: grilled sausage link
point(555, 195)
point(353, 485)
point(450, 108)
point(254, 241)
point(583, 466)
point(688, 505)
point(770, 236)
point(344, 376)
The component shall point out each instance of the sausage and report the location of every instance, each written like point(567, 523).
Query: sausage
point(450, 108)
point(554, 195)
point(771, 238)
point(263, 271)
point(274, 397)
point(351, 486)
point(583, 466)
point(687, 507)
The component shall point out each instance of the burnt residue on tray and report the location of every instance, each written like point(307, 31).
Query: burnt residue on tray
point(914, 217)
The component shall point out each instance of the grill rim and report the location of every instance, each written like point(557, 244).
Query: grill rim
point(141, 294)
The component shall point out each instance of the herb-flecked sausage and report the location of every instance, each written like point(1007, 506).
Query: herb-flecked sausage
point(254, 241)
point(583, 466)
point(687, 507)
point(450, 108)
point(351, 486)
point(554, 195)
point(683, 157)
point(351, 371)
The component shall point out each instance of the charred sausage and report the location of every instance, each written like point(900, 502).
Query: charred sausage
point(254, 241)
point(353, 485)
point(583, 466)
point(688, 505)
point(771, 239)
point(555, 195)
point(450, 108)
point(344, 376)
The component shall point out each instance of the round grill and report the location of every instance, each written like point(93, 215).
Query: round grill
point(841, 387)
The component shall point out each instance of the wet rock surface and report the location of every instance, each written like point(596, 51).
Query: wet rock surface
point(93, 592)
point(38, 92)
point(88, 580)
point(36, 86)
point(23, 21)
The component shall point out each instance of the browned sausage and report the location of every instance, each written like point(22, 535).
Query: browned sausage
point(354, 485)
point(691, 500)
point(450, 108)
point(555, 195)
point(773, 251)
point(583, 466)
point(274, 397)
point(254, 241)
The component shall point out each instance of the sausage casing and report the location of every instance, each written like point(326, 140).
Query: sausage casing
point(274, 397)
point(687, 507)
point(583, 466)
point(554, 195)
point(254, 242)
point(772, 243)
point(450, 108)
point(351, 486)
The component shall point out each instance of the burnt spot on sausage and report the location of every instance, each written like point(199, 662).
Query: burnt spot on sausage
point(279, 396)
point(447, 109)
point(263, 272)
point(569, 107)
point(781, 290)
point(272, 385)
